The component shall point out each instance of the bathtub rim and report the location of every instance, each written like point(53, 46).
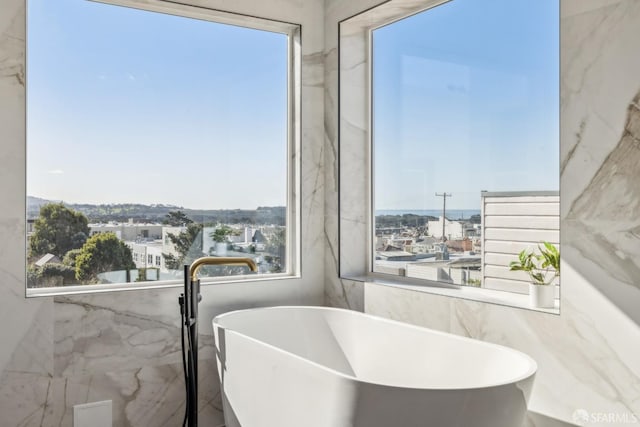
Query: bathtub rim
point(530, 373)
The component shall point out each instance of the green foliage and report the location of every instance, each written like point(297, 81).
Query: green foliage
point(276, 268)
point(474, 282)
point(102, 253)
point(542, 268)
point(177, 219)
point(277, 240)
point(32, 276)
point(404, 220)
point(54, 269)
point(49, 275)
point(147, 274)
point(550, 257)
point(277, 245)
point(222, 233)
point(70, 257)
point(155, 213)
point(57, 230)
point(188, 244)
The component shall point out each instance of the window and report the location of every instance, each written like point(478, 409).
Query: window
point(203, 103)
point(465, 102)
point(461, 105)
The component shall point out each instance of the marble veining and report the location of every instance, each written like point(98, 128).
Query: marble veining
point(338, 292)
point(95, 338)
point(588, 356)
point(602, 223)
point(148, 396)
point(21, 321)
point(33, 353)
point(23, 398)
point(612, 189)
point(11, 46)
point(568, 8)
point(81, 349)
point(60, 351)
point(580, 365)
point(598, 81)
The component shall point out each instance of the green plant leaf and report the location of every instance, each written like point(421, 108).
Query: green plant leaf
point(550, 256)
point(538, 277)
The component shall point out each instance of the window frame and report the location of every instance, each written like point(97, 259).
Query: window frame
point(355, 133)
point(293, 32)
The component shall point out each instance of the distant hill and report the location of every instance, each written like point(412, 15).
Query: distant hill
point(156, 213)
point(34, 204)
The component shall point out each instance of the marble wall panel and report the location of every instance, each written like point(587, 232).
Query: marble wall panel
point(17, 316)
point(148, 396)
point(23, 398)
point(344, 293)
point(599, 150)
point(598, 84)
point(588, 357)
point(95, 334)
point(418, 308)
point(340, 292)
point(124, 347)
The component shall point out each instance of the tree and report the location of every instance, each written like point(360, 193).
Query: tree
point(221, 233)
point(176, 219)
point(70, 257)
point(102, 253)
point(57, 230)
point(276, 242)
point(277, 246)
point(188, 245)
point(54, 274)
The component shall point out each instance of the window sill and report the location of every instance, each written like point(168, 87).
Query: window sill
point(104, 288)
point(489, 296)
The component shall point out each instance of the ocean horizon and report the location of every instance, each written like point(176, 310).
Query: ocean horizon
point(451, 213)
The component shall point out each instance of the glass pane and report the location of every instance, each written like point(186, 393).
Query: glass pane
point(465, 141)
point(153, 140)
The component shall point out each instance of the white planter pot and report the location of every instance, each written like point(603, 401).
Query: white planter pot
point(221, 248)
point(542, 296)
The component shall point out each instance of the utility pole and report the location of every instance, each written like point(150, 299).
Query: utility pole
point(444, 209)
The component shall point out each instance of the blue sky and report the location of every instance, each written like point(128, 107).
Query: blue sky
point(133, 106)
point(466, 99)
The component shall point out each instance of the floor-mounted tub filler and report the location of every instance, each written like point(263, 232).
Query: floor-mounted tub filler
point(188, 302)
point(327, 367)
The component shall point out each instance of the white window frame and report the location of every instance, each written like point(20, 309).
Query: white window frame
point(294, 135)
point(355, 123)
point(356, 225)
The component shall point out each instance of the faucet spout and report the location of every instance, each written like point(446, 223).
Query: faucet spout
point(211, 260)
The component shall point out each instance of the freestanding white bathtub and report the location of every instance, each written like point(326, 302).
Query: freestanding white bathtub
point(327, 367)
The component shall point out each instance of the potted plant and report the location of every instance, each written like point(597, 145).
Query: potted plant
point(221, 237)
point(542, 269)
